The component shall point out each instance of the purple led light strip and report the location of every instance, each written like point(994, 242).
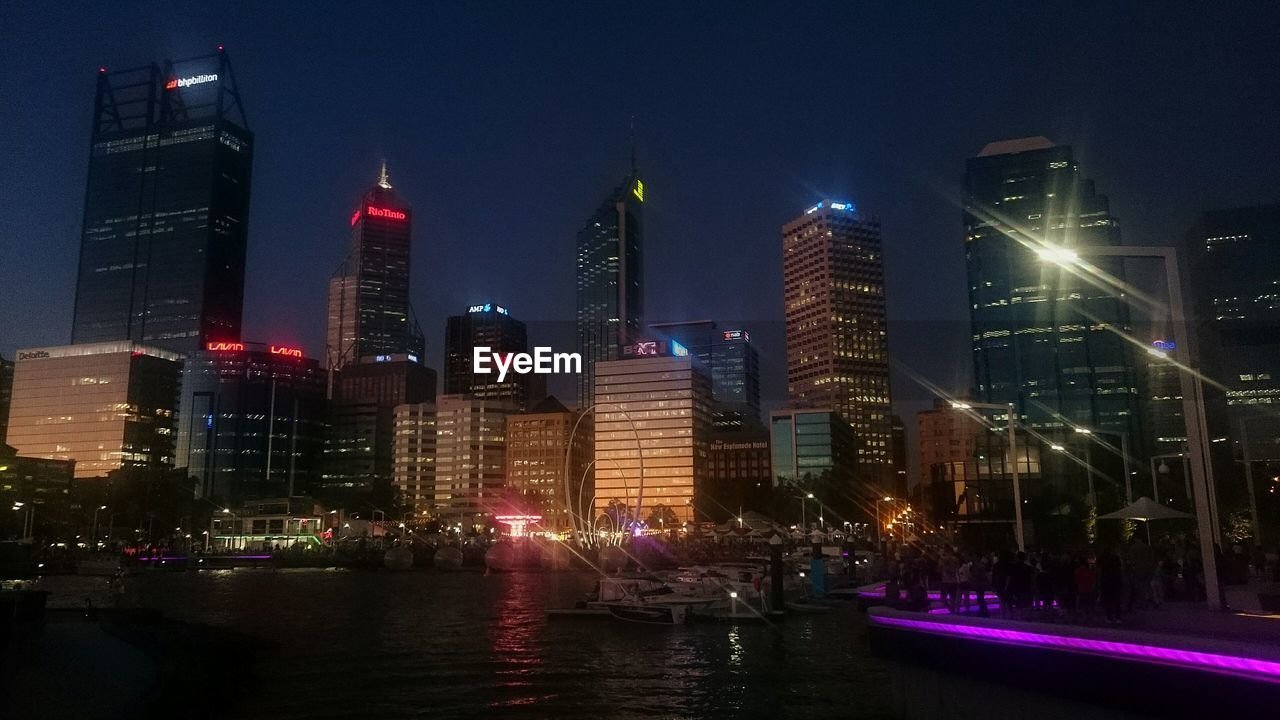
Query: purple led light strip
point(1251, 668)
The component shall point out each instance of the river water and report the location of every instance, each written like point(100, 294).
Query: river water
point(431, 644)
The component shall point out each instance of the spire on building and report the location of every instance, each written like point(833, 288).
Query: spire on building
point(384, 181)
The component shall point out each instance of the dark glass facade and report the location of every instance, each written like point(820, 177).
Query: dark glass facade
point(166, 209)
point(732, 363)
point(813, 452)
point(1044, 337)
point(369, 310)
point(488, 325)
point(1235, 270)
point(610, 280)
point(251, 422)
point(359, 449)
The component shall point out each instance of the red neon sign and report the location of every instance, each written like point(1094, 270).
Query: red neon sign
point(387, 213)
point(282, 350)
point(224, 346)
point(354, 217)
point(172, 84)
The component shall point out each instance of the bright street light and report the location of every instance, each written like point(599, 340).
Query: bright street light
point(1057, 255)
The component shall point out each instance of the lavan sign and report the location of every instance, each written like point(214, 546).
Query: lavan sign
point(541, 362)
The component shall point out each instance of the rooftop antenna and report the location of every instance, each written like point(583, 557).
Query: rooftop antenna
point(384, 181)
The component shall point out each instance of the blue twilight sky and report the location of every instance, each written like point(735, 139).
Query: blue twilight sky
point(505, 123)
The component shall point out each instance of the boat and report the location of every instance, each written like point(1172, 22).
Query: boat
point(652, 613)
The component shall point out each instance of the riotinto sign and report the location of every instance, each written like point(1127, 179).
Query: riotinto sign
point(541, 362)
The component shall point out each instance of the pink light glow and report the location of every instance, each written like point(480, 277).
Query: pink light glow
point(1245, 667)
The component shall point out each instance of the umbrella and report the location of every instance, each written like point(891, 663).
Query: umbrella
point(1145, 509)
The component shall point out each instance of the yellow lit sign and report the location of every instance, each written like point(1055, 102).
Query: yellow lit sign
point(638, 190)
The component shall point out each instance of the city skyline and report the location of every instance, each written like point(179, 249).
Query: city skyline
point(710, 205)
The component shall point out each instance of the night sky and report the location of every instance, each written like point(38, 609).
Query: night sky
point(505, 124)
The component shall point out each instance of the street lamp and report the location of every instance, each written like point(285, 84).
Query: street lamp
point(1013, 464)
point(1192, 400)
point(95, 526)
point(1124, 457)
point(879, 537)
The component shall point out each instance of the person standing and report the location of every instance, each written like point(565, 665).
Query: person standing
point(1111, 584)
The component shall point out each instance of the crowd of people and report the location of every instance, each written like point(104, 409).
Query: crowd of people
point(1097, 585)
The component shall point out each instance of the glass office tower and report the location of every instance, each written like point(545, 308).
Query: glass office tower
point(369, 310)
point(166, 211)
point(491, 326)
point(1045, 338)
point(732, 363)
point(251, 421)
point(610, 296)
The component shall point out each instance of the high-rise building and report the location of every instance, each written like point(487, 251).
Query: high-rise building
point(251, 423)
point(488, 325)
point(359, 449)
point(1235, 261)
point(538, 444)
point(470, 459)
point(369, 310)
point(900, 483)
point(166, 210)
point(103, 405)
point(813, 452)
point(652, 431)
point(6, 396)
point(837, 347)
point(413, 469)
point(1047, 338)
point(610, 276)
point(732, 363)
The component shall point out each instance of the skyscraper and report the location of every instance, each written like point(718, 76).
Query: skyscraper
point(491, 326)
point(652, 431)
point(732, 363)
point(1235, 260)
point(251, 421)
point(166, 210)
point(837, 348)
point(359, 449)
point(369, 310)
point(1044, 337)
point(610, 305)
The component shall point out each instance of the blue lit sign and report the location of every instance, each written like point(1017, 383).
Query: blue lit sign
point(1164, 344)
point(488, 307)
point(845, 206)
point(413, 358)
point(679, 350)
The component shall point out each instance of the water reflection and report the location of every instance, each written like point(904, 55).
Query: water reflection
point(425, 644)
